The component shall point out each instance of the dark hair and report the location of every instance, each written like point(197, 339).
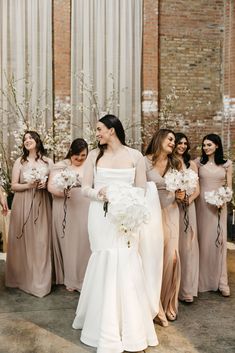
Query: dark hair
point(76, 147)
point(155, 147)
point(219, 154)
point(40, 150)
point(186, 156)
point(111, 121)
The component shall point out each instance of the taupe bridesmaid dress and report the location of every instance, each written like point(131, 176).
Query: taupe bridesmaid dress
point(189, 254)
point(71, 248)
point(213, 260)
point(28, 264)
point(171, 262)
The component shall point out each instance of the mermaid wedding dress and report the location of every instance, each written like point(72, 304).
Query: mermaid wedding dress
point(113, 309)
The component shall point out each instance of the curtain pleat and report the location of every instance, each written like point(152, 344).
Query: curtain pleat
point(106, 41)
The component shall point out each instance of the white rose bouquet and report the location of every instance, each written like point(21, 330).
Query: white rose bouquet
point(126, 208)
point(64, 181)
point(184, 180)
point(36, 175)
point(218, 198)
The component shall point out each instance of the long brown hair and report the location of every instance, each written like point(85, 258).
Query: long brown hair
point(40, 150)
point(155, 148)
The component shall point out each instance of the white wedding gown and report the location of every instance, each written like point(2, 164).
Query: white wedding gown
point(113, 309)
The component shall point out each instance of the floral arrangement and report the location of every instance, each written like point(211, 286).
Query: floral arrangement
point(185, 180)
point(66, 179)
point(127, 208)
point(36, 175)
point(219, 197)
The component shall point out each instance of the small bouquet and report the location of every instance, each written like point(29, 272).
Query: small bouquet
point(36, 175)
point(65, 181)
point(127, 208)
point(184, 180)
point(219, 198)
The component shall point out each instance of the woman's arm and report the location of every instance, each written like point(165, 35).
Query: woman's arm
point(140, 174)
point(230, 175)
point(15, 181)
point(88, 178)
point(3, 203)
point(196, 193)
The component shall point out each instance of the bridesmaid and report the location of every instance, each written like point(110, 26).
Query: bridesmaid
point(188, 240)
point(159, 160)
point(71, 251)
point(214, 172)
point(28, 264)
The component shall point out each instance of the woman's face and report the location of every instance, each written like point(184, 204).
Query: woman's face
point(209, 147)
point(29, 142)
point(168, 143)
point(78, 159)
point(103, 134)
point(181, 146)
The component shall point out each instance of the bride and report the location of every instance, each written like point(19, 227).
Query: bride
point(113, 310)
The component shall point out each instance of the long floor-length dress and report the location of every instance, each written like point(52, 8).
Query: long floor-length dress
point(113, 309)
point(171, 260)
point(28, 263)
point(213, 260)
point(71, 247)
point(151, 248)
point(189, 254)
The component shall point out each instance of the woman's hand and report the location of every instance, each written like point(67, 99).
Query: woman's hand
point(180, 195)
point(42, 185)
point(102, 194)
point(4, 205)
point(67, 193)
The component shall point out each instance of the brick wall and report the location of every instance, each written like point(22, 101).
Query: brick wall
point(188, 45)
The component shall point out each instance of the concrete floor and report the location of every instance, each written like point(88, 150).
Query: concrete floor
point(32, 325)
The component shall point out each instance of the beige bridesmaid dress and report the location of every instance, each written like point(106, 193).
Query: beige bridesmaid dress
point(213, 259)
point(171, 261)
point(28, 263)
point(71, 247)
point(189, 255)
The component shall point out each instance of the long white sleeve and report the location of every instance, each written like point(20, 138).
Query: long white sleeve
point(88, 177)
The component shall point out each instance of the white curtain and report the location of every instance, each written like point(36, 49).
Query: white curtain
point(106, 50)
point(26, 61)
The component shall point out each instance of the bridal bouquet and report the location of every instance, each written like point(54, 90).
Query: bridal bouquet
point(185, 180)
point(65, 181)
point(127, 208)
point(219, 198)
point(36, 175)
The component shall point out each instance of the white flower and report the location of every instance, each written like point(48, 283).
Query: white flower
point(185, 180)
point(36, 174)
point(127, 207)
point(66, 179)
point(219, 197)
